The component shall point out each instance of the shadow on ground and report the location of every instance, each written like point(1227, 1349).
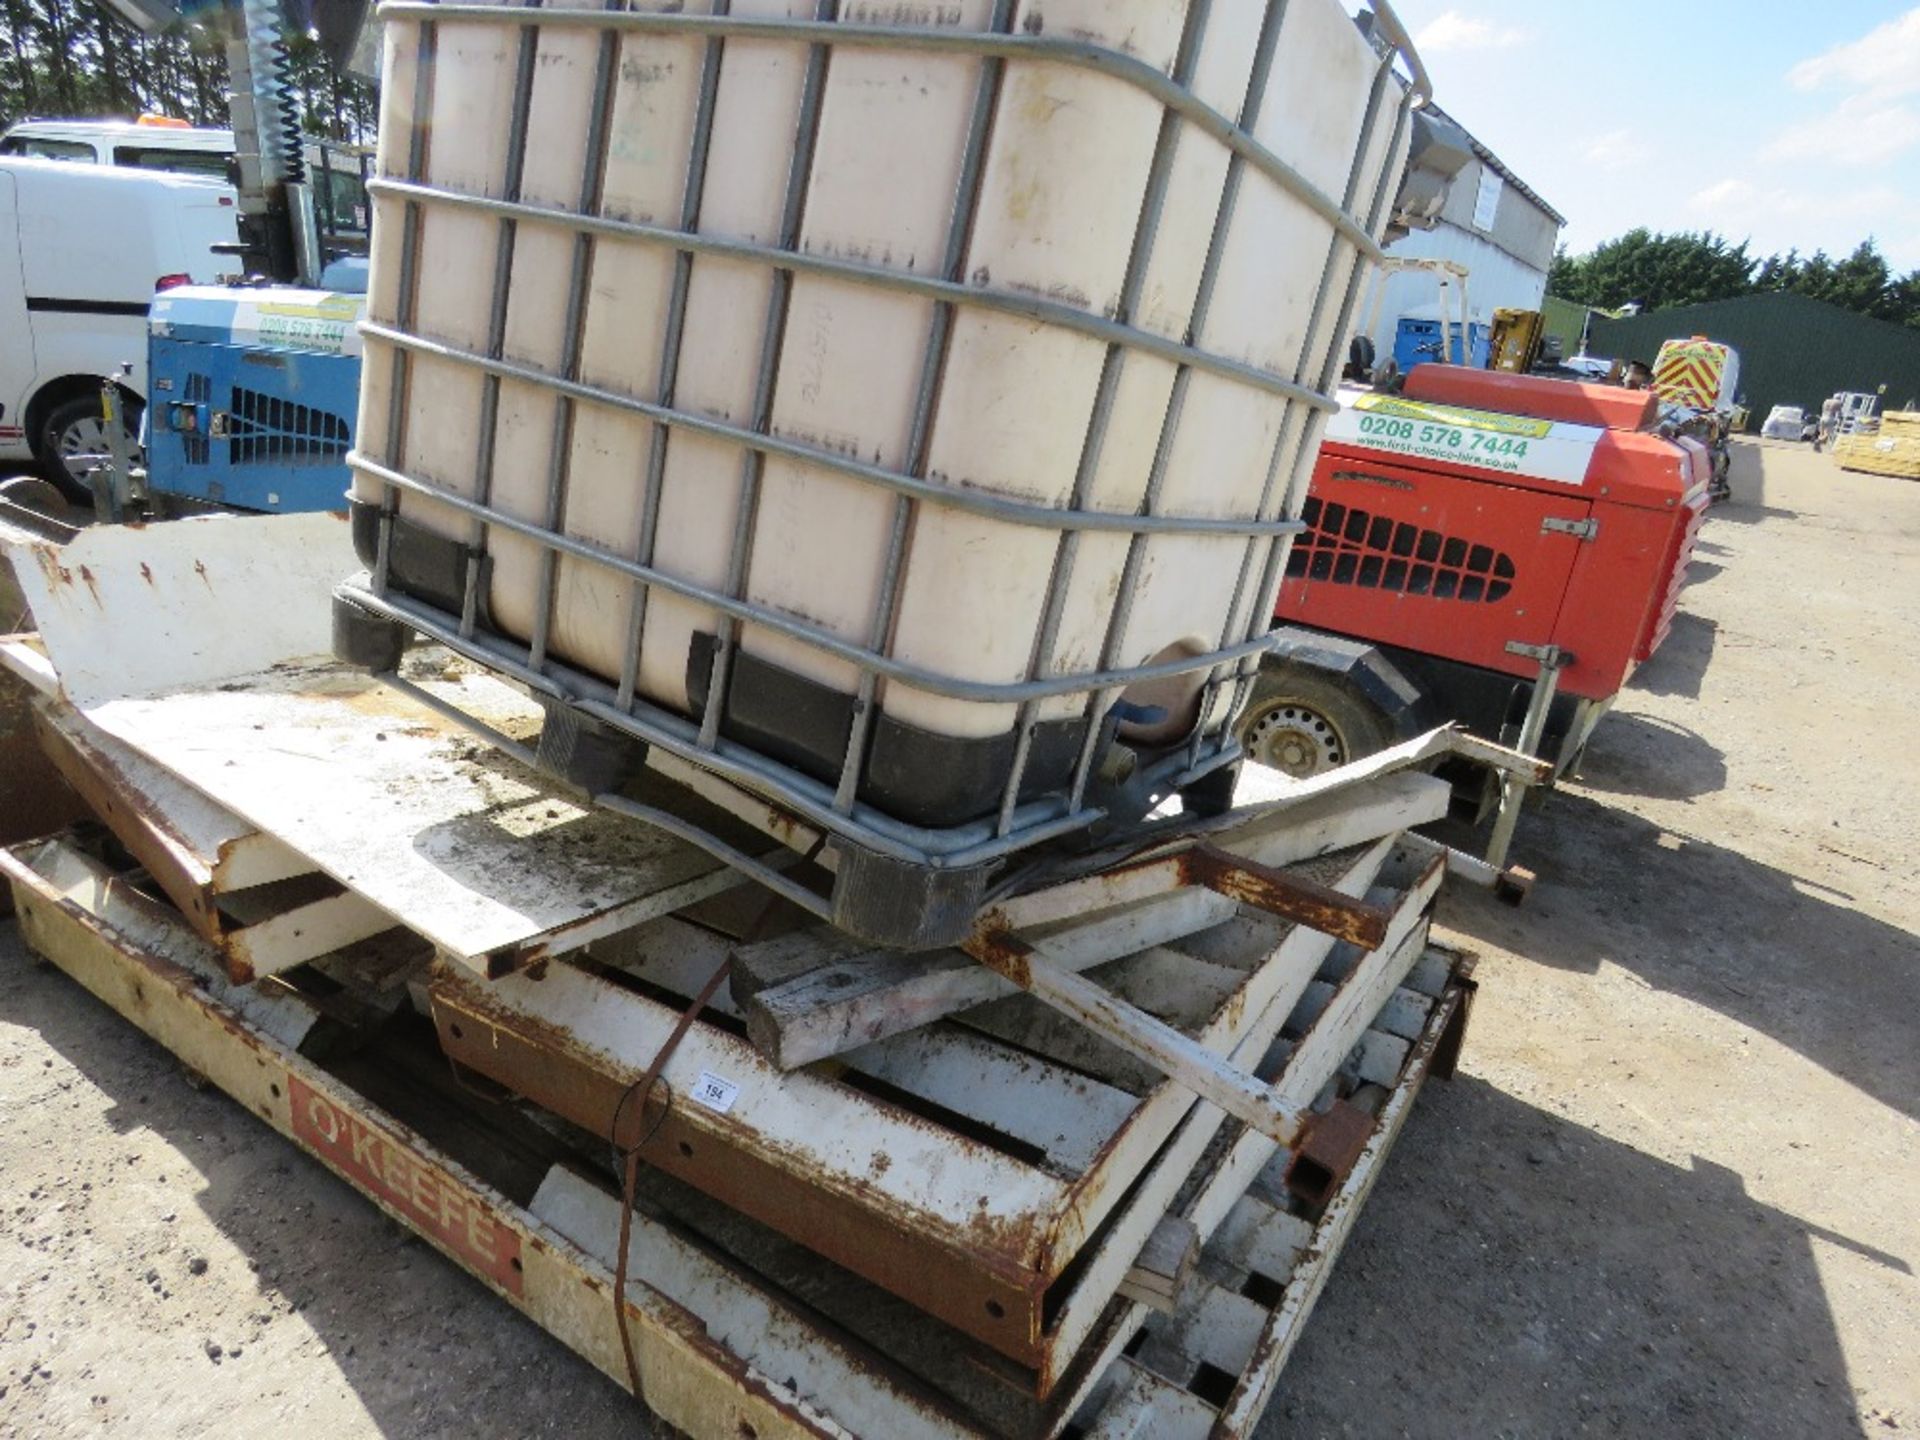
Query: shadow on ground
point(1685, 1307)
point(1661, 759)
point(1679, 666)
point(1777, 953)
point(1749, 503)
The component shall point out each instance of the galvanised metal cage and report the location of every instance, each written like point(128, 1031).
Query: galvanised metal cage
point(899, 879)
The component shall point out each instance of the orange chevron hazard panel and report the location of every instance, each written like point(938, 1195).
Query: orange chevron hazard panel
point(1692, 373)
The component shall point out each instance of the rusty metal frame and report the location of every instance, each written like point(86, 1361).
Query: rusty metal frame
point(694, 1383)
point(264, 908)
point(984, 1254)
point(1138, 1397)
point(549, 1258)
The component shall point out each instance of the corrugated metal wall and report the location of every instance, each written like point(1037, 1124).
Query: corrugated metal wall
point(1793, 351)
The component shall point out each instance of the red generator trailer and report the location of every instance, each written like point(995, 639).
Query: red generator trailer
point(1493, 549)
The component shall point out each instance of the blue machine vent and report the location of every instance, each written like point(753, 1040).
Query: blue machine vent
point(195, 445)
point(267, 430)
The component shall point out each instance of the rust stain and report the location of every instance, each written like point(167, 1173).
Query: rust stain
point(145, 573)
point(1328, 1151)
point(1004, 953)
point(93, 589)
point(200, 569)
point(973, 1274)
point(1291, 897)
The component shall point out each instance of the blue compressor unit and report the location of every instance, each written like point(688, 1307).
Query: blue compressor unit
point(252, 395)
point(1418, 342)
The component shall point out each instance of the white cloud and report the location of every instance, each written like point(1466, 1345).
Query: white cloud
point(1618, 150)
point(1861, 131)
point(1733, 203)
point(1452, 31)
point(1883, 64)
point(1813, 216)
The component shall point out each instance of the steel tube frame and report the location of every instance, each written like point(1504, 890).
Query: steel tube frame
point(911, 486)
point(978, 502)
point(560, 458)
point(893, 578)
point(400, 384)
point(1057, 50)
point(1260, 617)
point(1146, 237)
point(772, 343)
point(1024, 306)
point(1265, 48)
point(504, 248)
point(694, 186)
point(958, 847)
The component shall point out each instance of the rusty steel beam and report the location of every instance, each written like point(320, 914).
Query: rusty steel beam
point(1291, 897)
point(979, 1289)
point(698, 1380)
point(146, 835)
point(1332, 1146)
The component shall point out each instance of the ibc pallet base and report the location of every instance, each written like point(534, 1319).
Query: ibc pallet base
point(723, 1351)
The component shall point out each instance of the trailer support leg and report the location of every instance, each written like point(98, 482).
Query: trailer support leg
point(1513, 792)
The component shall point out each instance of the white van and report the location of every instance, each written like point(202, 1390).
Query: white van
point(83, 249)
point(148, 143)
point(337, 171)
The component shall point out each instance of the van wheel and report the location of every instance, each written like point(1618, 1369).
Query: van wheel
point(1303, 723)
point(74, 432)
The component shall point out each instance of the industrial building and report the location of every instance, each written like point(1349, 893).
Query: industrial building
point(1793, 350)
point(1491, 223)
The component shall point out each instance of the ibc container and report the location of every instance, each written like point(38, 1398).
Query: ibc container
point(898, 409)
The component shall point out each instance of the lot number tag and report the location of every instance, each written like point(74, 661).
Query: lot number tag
point(715, 1093)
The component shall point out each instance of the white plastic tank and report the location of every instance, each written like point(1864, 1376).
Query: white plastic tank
point(1049, 167)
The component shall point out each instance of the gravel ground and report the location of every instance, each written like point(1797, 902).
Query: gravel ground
point(1672, 1192)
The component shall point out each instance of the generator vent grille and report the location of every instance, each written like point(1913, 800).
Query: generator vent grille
point(194, 443)
point(1345, 546)
point(267, 430)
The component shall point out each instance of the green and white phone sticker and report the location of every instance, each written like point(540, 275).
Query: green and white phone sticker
point(1455, 435)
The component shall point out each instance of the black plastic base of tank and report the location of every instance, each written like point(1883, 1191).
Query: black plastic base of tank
point(366, 640)
point(902, 906)
point(924, 778)
point(420, 563)
point(917, 776)
point(584, 754)
point(1212, 794)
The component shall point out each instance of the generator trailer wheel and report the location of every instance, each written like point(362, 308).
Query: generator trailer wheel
point(74, 430)
point(1303, 723)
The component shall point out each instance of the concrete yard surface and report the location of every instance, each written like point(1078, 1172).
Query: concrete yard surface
point(1674, 1191)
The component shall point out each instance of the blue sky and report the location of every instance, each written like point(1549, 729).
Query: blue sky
point(1792, 123)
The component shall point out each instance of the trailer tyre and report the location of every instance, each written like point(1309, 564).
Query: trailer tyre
point(1303, 722)
point(73, 429)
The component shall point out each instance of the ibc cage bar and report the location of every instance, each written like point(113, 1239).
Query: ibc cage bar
point(897, 882)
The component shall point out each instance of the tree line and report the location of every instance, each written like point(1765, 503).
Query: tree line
point(1658, 271)
point(77, 59)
